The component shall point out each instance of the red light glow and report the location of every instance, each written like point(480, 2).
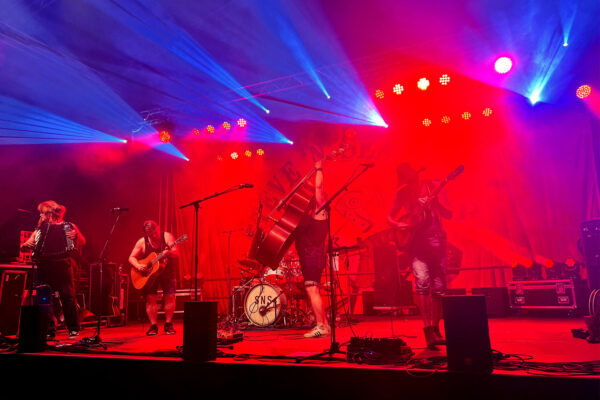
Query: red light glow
point(196, 131)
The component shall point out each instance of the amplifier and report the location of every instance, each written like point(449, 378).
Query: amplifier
point(12, 288)
point(378, 351)
point(556, 294)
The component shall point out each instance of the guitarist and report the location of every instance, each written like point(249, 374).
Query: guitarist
point(417, 216)
point(156, 241)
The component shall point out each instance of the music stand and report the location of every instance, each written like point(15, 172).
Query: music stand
point(334, 345)
point(96, 340)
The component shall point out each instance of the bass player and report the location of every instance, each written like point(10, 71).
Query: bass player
point(156, 241)
point(417, 214)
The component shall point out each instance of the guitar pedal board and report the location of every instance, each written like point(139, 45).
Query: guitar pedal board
point(378, 351)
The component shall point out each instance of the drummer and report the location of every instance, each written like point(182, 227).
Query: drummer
point(310, 245)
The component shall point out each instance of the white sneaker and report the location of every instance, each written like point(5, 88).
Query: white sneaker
point(317, 331)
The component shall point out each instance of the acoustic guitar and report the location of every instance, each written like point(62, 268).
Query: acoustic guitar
point(140, 278)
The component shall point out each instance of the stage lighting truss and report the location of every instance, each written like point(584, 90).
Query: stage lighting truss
point(426, 122)
point(444, 80)
point(583, 91)
point(398, 89)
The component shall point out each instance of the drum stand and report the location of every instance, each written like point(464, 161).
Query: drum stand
point(334, 346)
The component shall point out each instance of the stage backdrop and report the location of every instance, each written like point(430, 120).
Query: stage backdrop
point(526, 188)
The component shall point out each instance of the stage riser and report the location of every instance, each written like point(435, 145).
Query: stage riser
point(168, 378)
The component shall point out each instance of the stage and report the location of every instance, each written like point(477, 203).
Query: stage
point(543, 359)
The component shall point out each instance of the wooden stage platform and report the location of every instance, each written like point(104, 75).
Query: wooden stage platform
point(547, 362)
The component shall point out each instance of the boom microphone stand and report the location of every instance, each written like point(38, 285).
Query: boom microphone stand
point(334, 346)
point(196, 205)
point(96, 340)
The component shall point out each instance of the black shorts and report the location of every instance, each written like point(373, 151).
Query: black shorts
point(167, 280)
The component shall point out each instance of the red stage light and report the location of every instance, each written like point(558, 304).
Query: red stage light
point(570, 262)
point(398, 89)
point(219, 158)
point(234, 155)
point(423, 84)
point(196, 131)
point(210, 129)
point(444, 79)
point(379, 94)
point(248, 153)
point(583, 91)
point(260, 152)
point(446, 119)
point(503, 65)
point(426, 122)
point(241, 122)
point(487, 112)
point(165, 136)
point(226, 125)
point(466, 115)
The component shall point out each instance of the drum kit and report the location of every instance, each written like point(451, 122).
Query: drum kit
point(269, 297)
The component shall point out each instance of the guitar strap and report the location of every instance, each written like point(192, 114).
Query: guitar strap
point(148, 247)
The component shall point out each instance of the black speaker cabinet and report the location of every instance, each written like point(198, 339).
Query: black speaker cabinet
point(467, 334)
point(11, 296)
point(590, 237)
point(199, 331)
point(33, 329)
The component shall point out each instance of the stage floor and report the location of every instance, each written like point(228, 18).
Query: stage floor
point(544, 340)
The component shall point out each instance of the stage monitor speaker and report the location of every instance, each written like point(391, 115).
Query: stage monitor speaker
point(33, 329)
point(386, 285)
point(467, 334)
point(590, 240)
point(101, 298)
point(12, 288)
point(199, 331)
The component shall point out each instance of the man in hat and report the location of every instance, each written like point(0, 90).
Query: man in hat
point(416, 216)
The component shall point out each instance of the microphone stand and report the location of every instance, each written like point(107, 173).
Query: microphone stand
point(334, 345)
point(196, 205)
point(96, 340)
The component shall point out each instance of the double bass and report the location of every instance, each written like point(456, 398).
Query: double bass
point(295, 204)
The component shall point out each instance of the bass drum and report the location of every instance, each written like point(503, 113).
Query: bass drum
point(264, 304)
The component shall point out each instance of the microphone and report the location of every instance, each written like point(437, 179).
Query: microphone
point(118, 209)
point(369, 165)
point(246, 185)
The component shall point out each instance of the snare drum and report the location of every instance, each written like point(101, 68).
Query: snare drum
point(264, 304)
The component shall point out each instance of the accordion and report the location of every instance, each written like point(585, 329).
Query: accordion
point(51, 241)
